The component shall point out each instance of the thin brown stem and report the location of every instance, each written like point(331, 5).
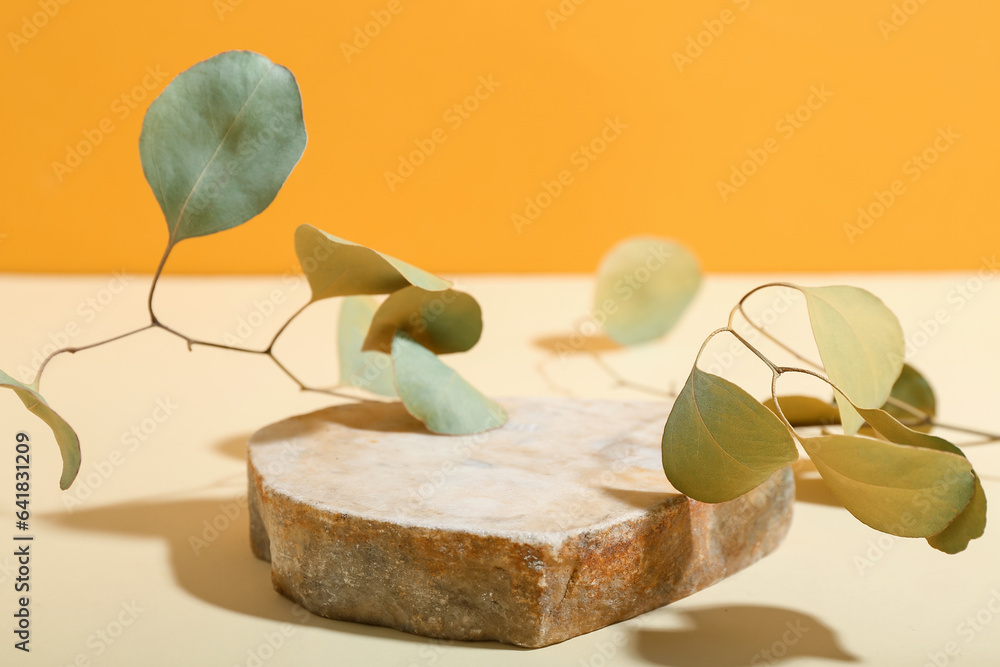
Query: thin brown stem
point(759, 329)
point(156, 278)
point(285, 326)
point(73, 350)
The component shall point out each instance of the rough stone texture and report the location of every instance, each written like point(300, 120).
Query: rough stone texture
point(560, 523)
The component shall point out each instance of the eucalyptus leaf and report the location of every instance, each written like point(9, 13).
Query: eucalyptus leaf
point(336, 267)
point(371, 371)
point(898, 489)
point(805, 410)
point(894, 431)
point(66, 438)
point(861, 344)
point(969, 525)
point(719, 442)
point(220, 141)
point(644, 284)
point(971, 522)
point(437, 395)
point(443, 322)
point(912, 388)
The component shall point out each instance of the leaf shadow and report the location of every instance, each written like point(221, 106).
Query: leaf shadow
point(576, 343)
point(374, 416)
point(639, 499)
point(810, 487)
point(738, 635)
point(211, 559)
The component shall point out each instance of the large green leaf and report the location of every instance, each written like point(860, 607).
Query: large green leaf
point(443, 322)
point(896, 488)
point(644, 284)
point(719, 442)
point(437, 395)
point(335, 267)
point(971, 522)
point(861, 345)
point(219, 142)
point(66, 438)
point(371, 371)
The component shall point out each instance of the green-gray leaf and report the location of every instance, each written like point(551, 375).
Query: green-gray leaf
point(644, 284)
point(66, 438)
point(219, 142)
point(443, 322)
point(898, 489)
point(437, 395)
point(719, 442)
point(861, 345)
point(371, 371)
point(336, 267)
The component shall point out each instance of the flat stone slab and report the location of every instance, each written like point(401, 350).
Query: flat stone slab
point(557, 524)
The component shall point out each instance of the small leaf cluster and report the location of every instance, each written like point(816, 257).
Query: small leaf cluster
point(719, 442)
point(216, 147)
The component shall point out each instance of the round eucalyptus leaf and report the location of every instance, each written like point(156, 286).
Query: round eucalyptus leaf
point(896, 488)
point(337, 267)
point(371, 371)
point(443, 322)
point(644, 284)
point(219, 142)
point(861, 344)
point(971, 522)
point(437, 395)
point(719, 442)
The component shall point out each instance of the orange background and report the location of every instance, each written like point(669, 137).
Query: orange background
point(688, 124)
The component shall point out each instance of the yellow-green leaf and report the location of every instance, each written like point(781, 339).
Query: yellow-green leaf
point(805, 410)
point(371, 371)
point(443, 322)
point(971, 522)
point(719, 442)
point(899, 489)
point(66, 438)
point(967, 526)
point(220, 141)
point(912, 388)
point(644, 284)
point(861, 344)
point(336, 267)
point(437, 395)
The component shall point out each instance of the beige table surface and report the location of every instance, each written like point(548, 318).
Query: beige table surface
point(118, 576)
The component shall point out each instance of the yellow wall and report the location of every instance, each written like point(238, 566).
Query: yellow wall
point(886, 93)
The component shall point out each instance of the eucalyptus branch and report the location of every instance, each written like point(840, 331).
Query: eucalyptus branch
point(921, 416)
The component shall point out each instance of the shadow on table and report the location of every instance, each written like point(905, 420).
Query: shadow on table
point(739, 635)
point(810, 487)
point(211, 559)
point(576, 343)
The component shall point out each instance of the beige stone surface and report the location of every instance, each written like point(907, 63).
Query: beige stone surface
point(557, 524)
